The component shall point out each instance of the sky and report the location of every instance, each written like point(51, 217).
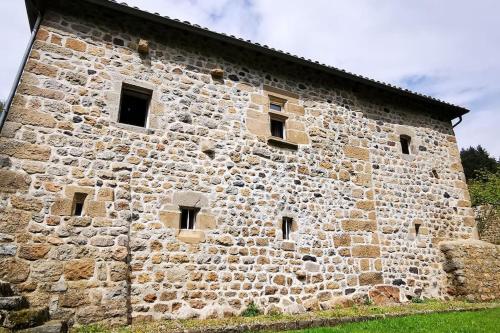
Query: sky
point(449, 49)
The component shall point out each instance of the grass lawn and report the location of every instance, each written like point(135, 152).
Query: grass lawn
point(456, 322)
point(464, 321)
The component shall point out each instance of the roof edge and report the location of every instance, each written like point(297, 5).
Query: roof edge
point(33, 6)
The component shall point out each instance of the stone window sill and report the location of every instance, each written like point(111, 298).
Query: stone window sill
point(191, 236)
point(278, 115)
point(138, 129)
point(408, 157)
point(288, 245)
point(279, 142)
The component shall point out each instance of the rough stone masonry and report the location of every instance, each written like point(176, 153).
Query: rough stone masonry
point(91, 209)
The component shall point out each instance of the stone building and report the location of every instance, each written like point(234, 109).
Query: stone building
point(151, 169)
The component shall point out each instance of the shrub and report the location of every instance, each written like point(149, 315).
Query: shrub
point(252, 310)
point(417, 300)
point(485, 195)
point(485, 189)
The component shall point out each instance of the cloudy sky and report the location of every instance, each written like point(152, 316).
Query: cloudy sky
point(449, 49)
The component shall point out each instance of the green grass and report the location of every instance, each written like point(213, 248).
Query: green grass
point(454, 322)
point(163, 326)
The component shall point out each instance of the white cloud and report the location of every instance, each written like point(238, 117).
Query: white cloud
point(14, 36)
point(447, 48)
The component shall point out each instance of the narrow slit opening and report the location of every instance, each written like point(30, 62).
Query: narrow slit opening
point(405, 144)
point(78, 203)
point(286, 227)
point(417, 228)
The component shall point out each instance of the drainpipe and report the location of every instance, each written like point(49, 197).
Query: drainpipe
point(459, 121)
point(8, 103)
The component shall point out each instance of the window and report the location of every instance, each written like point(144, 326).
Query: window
point(188, 218)
point(275, 106)
point(405, 144)
point(278, 128)
point(78, 203)
point(417, 228)
point(134, 105)
point(286, 227)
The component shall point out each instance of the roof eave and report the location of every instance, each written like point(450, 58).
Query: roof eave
point(453, 110)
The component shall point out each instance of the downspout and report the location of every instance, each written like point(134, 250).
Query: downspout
point(459, 121)
point(8, 103)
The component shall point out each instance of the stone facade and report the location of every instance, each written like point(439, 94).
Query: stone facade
point(473, 269)
point(354, 198)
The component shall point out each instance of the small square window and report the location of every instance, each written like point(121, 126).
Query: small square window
point(405, 144)
point(286, 227)
point(134, 105)
point(275, 106)
point(278, 128)
point(188, 218)
point(78, 203)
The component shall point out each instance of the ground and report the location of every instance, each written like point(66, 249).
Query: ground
point(470, 322)
point(283, 322)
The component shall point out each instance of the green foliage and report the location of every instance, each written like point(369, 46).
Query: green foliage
point(485, 188)
point(485, 193)
point(368, 301)
point(252, 310)
point(417, 300)
point(476, 159)
point(2, 105)
point(459, 322)
point(213, 324)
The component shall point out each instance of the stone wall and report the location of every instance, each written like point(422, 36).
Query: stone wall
point(354, 197)
point(488, 222)
point(473, 269)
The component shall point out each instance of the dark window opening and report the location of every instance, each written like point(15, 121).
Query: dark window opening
point(275, 106)
point(417, 228)
point(286, 227)
point(277, 128)
point(405, 144)
point(435, 174)
point(188, 218)
point(134, 105)
point(78, 203)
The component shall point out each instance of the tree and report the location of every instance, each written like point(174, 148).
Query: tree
point(485, 189)
point(485, 196)
point(477, 159)
point(2, 105)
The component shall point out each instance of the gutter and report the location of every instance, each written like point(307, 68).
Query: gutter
point(8, 103)
point(458, 122)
